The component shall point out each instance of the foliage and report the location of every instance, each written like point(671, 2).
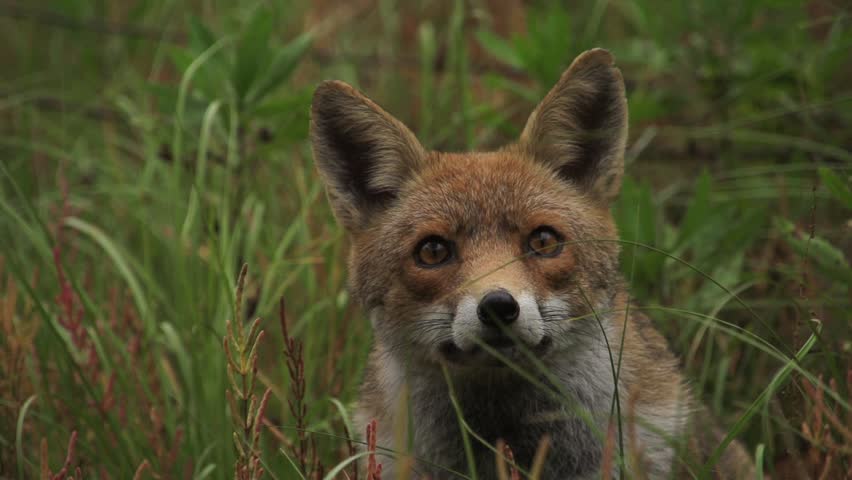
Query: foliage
point(151, 150)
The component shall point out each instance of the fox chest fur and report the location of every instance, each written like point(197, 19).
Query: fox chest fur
point(571, 405)
point(492, 283)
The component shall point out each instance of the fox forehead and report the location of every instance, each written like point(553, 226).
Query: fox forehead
point(470, 194)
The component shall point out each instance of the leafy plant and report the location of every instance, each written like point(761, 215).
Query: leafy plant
point(149, 151)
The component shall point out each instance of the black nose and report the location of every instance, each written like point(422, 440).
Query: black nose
point(498, 306)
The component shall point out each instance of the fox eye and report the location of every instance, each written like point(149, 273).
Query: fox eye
point(433, 251)
point(544, 242)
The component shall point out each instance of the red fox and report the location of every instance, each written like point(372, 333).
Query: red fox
point(492, 283)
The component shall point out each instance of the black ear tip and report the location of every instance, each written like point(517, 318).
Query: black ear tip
point(595, 56)
point(596, 65)
point(330, 92)
point(328, 86)
point(594, 60)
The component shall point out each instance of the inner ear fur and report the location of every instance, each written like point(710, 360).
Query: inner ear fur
point(363, 153)
point(580, 127)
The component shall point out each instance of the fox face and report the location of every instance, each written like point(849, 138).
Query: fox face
point(456, 256)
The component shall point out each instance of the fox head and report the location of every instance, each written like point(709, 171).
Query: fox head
point(453, 251)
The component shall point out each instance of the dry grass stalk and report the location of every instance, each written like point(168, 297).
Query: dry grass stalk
point(63, 473)
point(246, 411)
point(506, 462)
point(304, 449)
point(374, 469)
point(830, 437)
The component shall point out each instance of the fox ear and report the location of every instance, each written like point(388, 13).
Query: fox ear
point(580, 128)
point(363, 154)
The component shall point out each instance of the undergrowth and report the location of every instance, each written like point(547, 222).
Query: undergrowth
point(151, 149)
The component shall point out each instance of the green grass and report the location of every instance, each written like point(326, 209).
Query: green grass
point(149, 151)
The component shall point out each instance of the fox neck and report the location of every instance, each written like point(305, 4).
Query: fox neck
point(570, 404)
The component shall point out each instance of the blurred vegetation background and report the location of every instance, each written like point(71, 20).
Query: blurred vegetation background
point(150, 148)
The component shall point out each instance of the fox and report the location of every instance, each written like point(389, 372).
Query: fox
point(491, 281)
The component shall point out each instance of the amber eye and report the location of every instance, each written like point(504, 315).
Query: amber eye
point(433, 251)
point(545, 242)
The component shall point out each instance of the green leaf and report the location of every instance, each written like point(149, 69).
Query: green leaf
point(282, 66)
point(637, 217)
point(19, 434)
point(208, 85)
point(295, 103)
point(836, 186)
point(758, 460)
point(765, 396)
point(499, 82)
point(120, 260)
point(698, 210)
point(252, 50)
point(827, 257)
point(181, 57)
point(200, 37)
point(499, 48)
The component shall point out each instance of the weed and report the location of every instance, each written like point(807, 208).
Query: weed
point(304, 449)
point(150, 150)
point(246, 412)
point(65, 472)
